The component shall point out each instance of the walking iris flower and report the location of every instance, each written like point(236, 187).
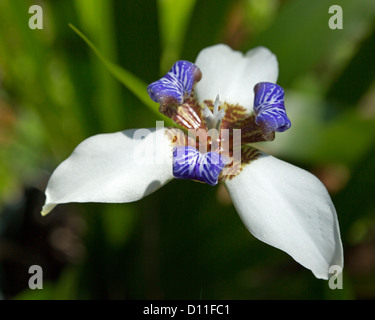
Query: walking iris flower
point(225, 101)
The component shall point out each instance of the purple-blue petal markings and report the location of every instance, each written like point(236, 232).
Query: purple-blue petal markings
point(269, 107)
point(176, 84)
point(189, 163)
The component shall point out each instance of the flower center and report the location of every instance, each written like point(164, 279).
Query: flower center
point(215, 135)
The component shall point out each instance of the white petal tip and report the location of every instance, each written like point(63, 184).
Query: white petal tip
point(47, 209)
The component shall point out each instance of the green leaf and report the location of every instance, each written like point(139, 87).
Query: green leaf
point(356, 201)
point(358, 75)
point(301, 37)
point(107, 94)
point(315, 138)
point(206, 26)
point(174, 17)
point(134, 84)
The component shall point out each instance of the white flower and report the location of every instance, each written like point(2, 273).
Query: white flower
point(280, 204)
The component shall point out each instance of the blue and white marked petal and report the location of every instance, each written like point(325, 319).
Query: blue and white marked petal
point(189, 163)
point(176, 84)
point(269, 107)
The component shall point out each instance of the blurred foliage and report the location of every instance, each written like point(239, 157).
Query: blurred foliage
point(59, 86)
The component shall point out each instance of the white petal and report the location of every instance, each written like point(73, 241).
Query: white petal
point(290, 209)
point(115, 167)
point(232, 75)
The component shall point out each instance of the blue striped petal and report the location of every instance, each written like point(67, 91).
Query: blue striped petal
point(176, 84)
point(189, 163)
point(269, 107)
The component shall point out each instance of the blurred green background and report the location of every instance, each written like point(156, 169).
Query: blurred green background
point(186, 240)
